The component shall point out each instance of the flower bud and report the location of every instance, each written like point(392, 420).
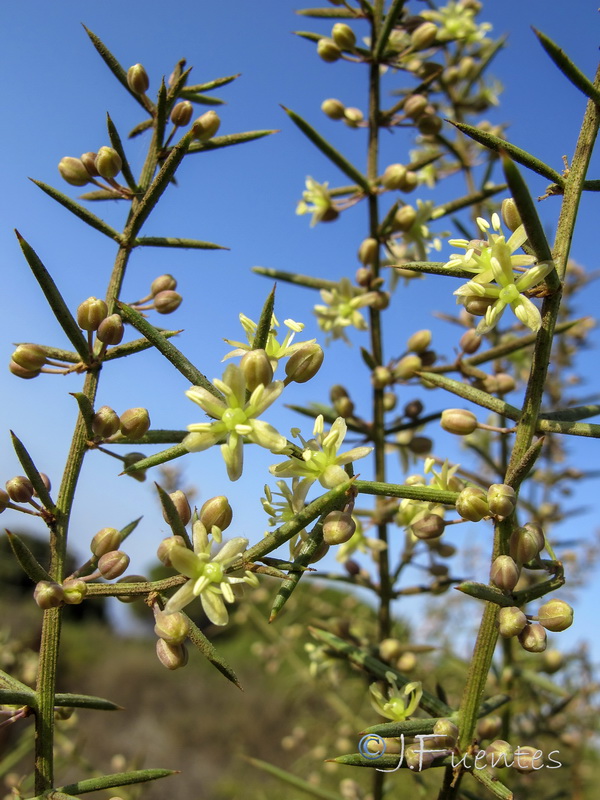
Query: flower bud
point(390, 649)
point(182, 507)
point(511, 621)
point(414, 105)
point(381, 376)
point(470, 342)
point(333, 108)
point(394, 176)
point(74, 591)
point(368, 250)
point(137, 79)
point(389, 401)
point(555, 615)
point(338, 527)
point(527, 543)
point(73, 171)
point(528, 759)
point(165, 547)
point(502, 500)
point(499, 754)
point(510, 214)
point(48, 594)
point(111, 330)
point(113, 564)
point(553, 660)
point(20, 489)
point(413, 409)
point(89, 162)
point(4, 500)
point(344, 407)
point(182, 113)
point(257, 369)
point(173, 628)
point(504, 573)
point(423, 36)
point(489, 727)
point(134, 423)
point(420, 445)
point(504, 383)
point(171, 656)
point(163, 283)
point(216, 511)
point(131, 598)
point(364, 277)
point(478, 305)
point(405, 218)
point(431, 526)
point(410, 182)
point(328, 50)
point(429, 124)
point(447, 729)
point(205, 127)
point(30, 357)
point(417, 757)
point(108, 162)
point(419, 341)
point(343, 36)
point(407, 368)
point(472, 504)
point(21, 372)
point(458, 421)
point(304, 364)
point(132, 458)
point(105, 422)
point(167, 301)
point(352, 117)
point(91, 313)
point(107, 540)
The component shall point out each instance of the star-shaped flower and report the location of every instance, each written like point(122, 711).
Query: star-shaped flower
point(317, 201)
point(341, 309)
point(274, 349)
point(399, 704)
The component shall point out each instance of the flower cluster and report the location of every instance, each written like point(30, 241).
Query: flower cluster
point(457, 21)
point(399, 704)
point(341, 309)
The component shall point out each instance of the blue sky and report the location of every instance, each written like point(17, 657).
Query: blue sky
point(57, 91)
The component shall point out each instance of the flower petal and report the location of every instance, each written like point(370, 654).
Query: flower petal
point(267, 436)
point(231, 549)
point(233, 455)
point(207, 401)
point(199, 440)
point(185, 562)
point(214, 607)
point(182, 597)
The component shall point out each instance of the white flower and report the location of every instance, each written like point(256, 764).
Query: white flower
point(341, 309)
point(317, 201)
point(274, 349)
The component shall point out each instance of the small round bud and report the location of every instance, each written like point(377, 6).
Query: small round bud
point(364, 277)
point(407, 368)
point(111, 330)
point(131, 598)
point(499, 754)
point(410, 182)
point(458, 421)
point(478, 305)
point(417, 758)
point(171, 656)
point(420, 445)
point(527, 543)
point(173, 628)
point(182, 113)
point(429, 124)
point(367, 252)
point(413, 409)
point(343, 36)
point(182, 506)
point(344, 407)
point(30, 357)
point(381, 376)
point(107, 540)
point(352, 117)
point(504, 573)
point(423, 36)
point(20, 489)
point(4, 500)
point(511, 621)
point(394, 176)
point(419, 341)
point(502, 500)
point(504, 383)
point(389, 401)
point(105, 422)
point(405, 218)
point(21, 372)
point(134, 423)
point(304, 364)
point(48, 594)
point(163, 283)
point(447, 729)
point(137, 79)
point(428, 357)
point(165, 547)
point(132, 458)
point(89, 162)
point(380, 301)
point(73, 171)
point(91, 313)
point(489, 727)
point(333, 108)
point(555, 615)
point(338, 527)
point(528, 759)
point(328, 50)
point(431, 526)
point(257, 369)
point(216, 511)
point(472, 504)
point(510, 214)
point(470, 342)
point(553, 660)
point(166, 302)
point(74, 591)
point(407, 662)
point(390, 649)
point(205, 127)
point(108, 162)
point(415, 105)
point(113, 564)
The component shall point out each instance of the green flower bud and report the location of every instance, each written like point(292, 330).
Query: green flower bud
point(344, 407)
point(137, 79)
point(91, 313)
point(105, 422)
point(415, 105)
point(338, 527)
point(20, 489)
point(407, 368)
point(134, 423)
point(405, 218)
point(172, 628)
point(458, 421)
point(48, 594)
point(74, 591)
point(394, 176)
point(381, 376)
point(319, 553)
point(555, 615)
point(30, 357)
point(216, 511)
point(447, 729)
point(73, 171)
point(328, 50)
point(428, 357)
point(389, 401)
point(423, 36)
point(257, 369)
point(511, 621)
point(167, 301)
point(171, 656)
point(499, 754)
point(107, 540)
point(431, 526)
point(472, 504)
point(164, 283)
point(410, 182)
point(553, 660)
point(111, 330)
point(417, 757)
point(420, 445)
point(429, 124)
point(132, 458)
point(182, 113)
point(504, 573)
point(368, 250)
point(45, 481)
point(419, 341)
point(390, 649)
point(502, 500)
point(527, 543)
point(445, 550)
point(533, 638)
point(343, 36)
point(489, 727)
point(478, 305)
point(89, 162)
point(364, 277)
point(337, 392)
point(108, 162)
point(205, 127)
point(407, 662)
point(165, 547)
point(21, 372)
point(465, 67)
point(4, 500)
point(504, 383)
point(528, 759)
point(182, 506)
point(333, 108)
point(131, 598)
point(304, 364)
point(470, 342)
point(413, 409)
point(353, 116)
point(113, 564)
point(510, 214)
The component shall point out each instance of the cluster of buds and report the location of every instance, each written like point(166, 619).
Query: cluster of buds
point(105, 164)
point(172, 631)
point(108, 426)
point(20, 493)
point(342, 40)
point(417, 356)
point(555, 615)
point(396, 177)
point(475, 504)
point(398, 654)
point(162, 297)
point(334, 109)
